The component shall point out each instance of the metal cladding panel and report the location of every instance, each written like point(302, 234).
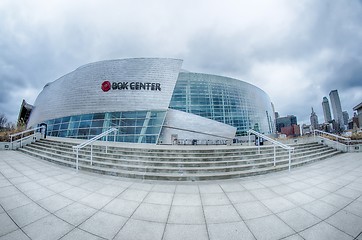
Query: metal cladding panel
point(189, 126)
point(80, 92)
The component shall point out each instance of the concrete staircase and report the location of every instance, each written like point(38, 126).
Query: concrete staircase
point(177, 163)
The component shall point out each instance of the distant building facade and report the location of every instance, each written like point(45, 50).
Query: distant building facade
point(337, 109)
point(326, 110)
point(24, 113)
point(345, 117)
point(358, 109)
point(287, 121)
point(314, 120)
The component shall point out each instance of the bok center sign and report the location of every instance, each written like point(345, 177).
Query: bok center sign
point(148, 86)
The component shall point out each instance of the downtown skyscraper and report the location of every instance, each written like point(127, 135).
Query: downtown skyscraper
point(326, 110)
point(337, 109)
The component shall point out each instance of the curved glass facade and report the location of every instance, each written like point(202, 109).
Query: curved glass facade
point(136, 126)
point(225, 100)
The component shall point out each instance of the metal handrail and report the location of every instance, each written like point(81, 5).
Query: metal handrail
point(332, 135)
point(275, 143)
point(22, 135)
point(90, 141)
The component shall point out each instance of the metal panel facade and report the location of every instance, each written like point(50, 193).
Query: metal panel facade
point(80, 92)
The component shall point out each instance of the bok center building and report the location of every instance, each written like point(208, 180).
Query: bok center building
point(151, 100)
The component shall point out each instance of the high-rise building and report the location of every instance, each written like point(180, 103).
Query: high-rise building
point(286, 122)
point(326, 110)
point(314, 120)
point(345, 117)
point(337, 109)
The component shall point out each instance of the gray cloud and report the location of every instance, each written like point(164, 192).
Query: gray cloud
point(295, 51)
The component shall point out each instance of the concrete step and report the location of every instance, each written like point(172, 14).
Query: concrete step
point(192, 166)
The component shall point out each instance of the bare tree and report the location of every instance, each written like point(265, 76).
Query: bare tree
point(3, 120)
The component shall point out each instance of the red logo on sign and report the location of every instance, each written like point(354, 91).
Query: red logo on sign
point(106, 86)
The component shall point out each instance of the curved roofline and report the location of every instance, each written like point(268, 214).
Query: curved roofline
point(228, 78)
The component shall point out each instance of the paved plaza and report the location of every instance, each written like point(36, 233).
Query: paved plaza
point(41, 200)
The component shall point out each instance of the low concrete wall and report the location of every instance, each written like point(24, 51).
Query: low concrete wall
point(5, 146)
point(16, 144)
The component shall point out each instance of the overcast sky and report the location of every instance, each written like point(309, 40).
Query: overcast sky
point(296, 51)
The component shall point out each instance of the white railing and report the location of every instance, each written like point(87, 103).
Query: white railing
point(90, 141)
point(338, 142)
point(22, 138)
point(275, 144)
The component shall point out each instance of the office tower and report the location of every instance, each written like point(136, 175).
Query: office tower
point(336, 108)
point(314, 119)
point(345, 117)
point(326, 110)
point(286, 122)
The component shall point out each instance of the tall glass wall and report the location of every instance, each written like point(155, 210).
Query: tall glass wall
point(225, 100)
point(136, 127)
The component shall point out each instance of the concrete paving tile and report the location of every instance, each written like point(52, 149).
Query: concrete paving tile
point(263, 193)
point(278, 204)
point(252, 185)
point(38, 194)
point(298, 219)
point(241, 197)
point(221, 214)
point(232, 187)
point(210, 188)
point(7, 225)
point(4, 183)
point(347, 222)
point(299, 185)
point(270, 183)
point(104, 224)
point(14, 201)
point(210, 199)
point(229, 231)
point(142, 186)
point(47, 228)
point(59, 187)
point(185, 232)
point(159, 198)
point(96, 200)
point(315, 192)
point(348, 192)
point(91, 186)
point(121, 207)
point(141, 230)
point(186, 215)
point(328, 186)
point(187, 189)
point(294, 237)
point(47, 181)
point(76, 193)
point(165, 188)
point(336, 200)
point(54, 202)
point(355, 186)
point(111, 191)
point(320, 209)
point(18, 180)
point(78, 234)
point(324, 231)
point(355, 208)
point(27, 214)
point(282, 189)
point(16, 235)
point(181, 199)
point(151, 212)
point(299, 198)
point(252, 210)
point(269, 227)
point(133, 195)
point(8, 191)
point(75, 213)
